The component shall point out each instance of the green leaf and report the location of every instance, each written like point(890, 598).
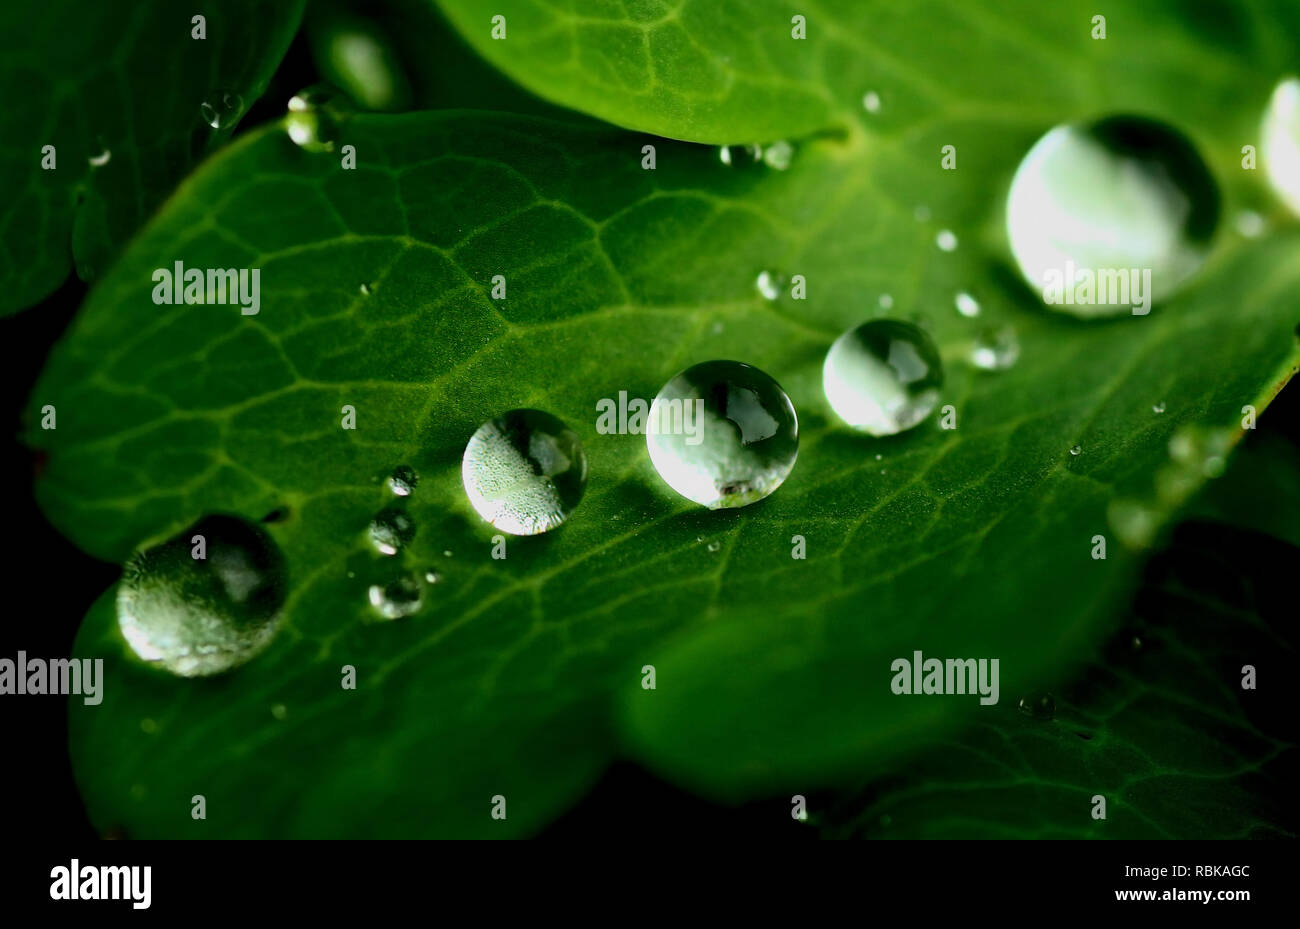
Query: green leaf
point(974, 541)
point(118, 81)
point(729, 71)
point(1264, 493)
point(1161, 728)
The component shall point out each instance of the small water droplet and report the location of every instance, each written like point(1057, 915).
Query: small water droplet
point(279, 711)
point(967, 305)
point(723, 434)
point(1158, 407)
point(403, 480)
point(200, 616)
point(1106, 216)
point(1136, 643)
point(1280, 142)
point(871, 101)
point(883, 377)
point(921, 213)
point(446, 553)
point(397, 599)
point(102, 155)
point(312, 118)
point(221, 108)
point(886, 301)
point(1039, 705)
point(718, 328)
point(995, 349)
point(391, 530)
point(524, 471)
point(432, 577)
point(778, 155)
point(769, 285)
point(1076, 450)
point(1250, 225)
point(367, 289)
point(879, 456)
point(946, 240)
point(714, 546)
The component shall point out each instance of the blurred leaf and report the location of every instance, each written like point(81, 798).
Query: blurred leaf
point(729, 71)
point(122, 82)
point(771, 671)
point(1161, 727)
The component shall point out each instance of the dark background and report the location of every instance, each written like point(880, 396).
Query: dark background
point(52, 584)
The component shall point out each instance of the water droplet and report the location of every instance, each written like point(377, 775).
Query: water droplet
point(879, 456)
point(883, 377)
point(1250, 225)
point(403, 480)
point(102, 155)
point(769, 285)
point(391, 530)
point(1076, 450)
point(1133, 521)
point(714, 546)
point(367, 289)
point(432, 577)
point(397, 599)
point(1136, 643)
point(778, 155)
point(446, 553)
point(886, 301)
point(1039, 705)
point(312, 118)
point(921, 213)
point(723, 434)
point(1280, 145)
point(967, 305)
point(871, 101)
point(946, 240)
point(995, 349)
point(221, 108)
point(524, 472)
point(201, 616)
point(1200, 450)
point(279, 711)
point(739, 154)
point(1158, 407)
point(1123, 207)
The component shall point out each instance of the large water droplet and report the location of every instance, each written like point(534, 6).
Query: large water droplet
point(221, 108)
point(1280, 146)
point(312, 119)
point(1120, 201)
point(391, 530)
point(1039, 705)
point(723, 434)
point(883, 377)
point(524, 472)
point(201, 616)
point(403, 480)
point(995, 349)
point(397, 599)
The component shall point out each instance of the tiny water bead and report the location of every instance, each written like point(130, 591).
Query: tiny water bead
point(1100, 211)
point(883, 377)
point(967, 305)
point(946, 240)
point(524, 472)
point(995, 349)
point(1039, 706)
point(723, 434)
point(403, 480)
point(886, 301)
point(221, 108)
point(397, 599)
point(312, 118)
point(1076, 450)
point(196, 616)
point(1158, 407)
point(871, 101)
point(102, 155)
point(1280, 146)
point(769, 284)
point(731, 155)
point(391, 530)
